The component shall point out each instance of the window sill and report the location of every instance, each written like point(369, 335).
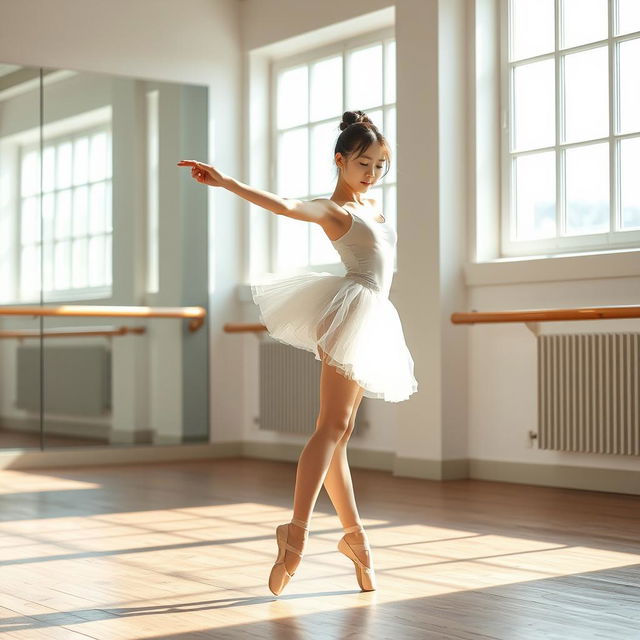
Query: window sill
point(606, 264)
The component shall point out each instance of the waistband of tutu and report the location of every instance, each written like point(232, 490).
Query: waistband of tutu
point(364, 279)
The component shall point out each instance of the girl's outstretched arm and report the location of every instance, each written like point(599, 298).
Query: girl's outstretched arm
point(319, 211)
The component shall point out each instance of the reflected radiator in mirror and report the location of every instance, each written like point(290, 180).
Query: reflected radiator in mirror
point(77, 379)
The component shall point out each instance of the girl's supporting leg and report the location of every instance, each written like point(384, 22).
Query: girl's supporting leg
point(337, 398)
point(338, 481)
point(339, 486)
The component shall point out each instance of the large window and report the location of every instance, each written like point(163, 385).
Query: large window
point(76, 214)
point(310, 93)
point(571, 125)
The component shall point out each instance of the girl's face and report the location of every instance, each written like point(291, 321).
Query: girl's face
point(363, 172)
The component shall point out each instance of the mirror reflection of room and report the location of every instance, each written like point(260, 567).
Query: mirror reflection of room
point(84, 221)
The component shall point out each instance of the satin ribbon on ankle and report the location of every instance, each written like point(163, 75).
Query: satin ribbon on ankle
point(300, 523)
point(356, 527)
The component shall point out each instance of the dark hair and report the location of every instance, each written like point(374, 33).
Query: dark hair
point(358, 133)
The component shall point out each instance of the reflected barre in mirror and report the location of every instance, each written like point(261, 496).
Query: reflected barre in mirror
point(196, 314)
point(74, 332)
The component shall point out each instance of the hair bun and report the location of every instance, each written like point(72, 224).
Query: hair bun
point(353, 117)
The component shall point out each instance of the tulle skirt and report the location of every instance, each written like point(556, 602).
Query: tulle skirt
point(356, 326)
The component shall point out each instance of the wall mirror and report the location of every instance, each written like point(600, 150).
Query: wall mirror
point(94, 211)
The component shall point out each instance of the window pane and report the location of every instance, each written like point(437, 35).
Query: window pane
point(30, 176)
point(79, 257)
point(364, 78)
point(61, 259)
point(534, 105)
point(96, 261)
point(390, 72)
point(321, 251)
point(584, 21)
point(390, 213)
point(108, 206)
point(293, 243)
point(535, 180)
point(587, 176)
point(586, 95)
point(629, 90)
point(30, 219)
point(532, 28)
point(80, 211)
point(63, 215)
point(47, 256)
point(48, 168)
point(48, 216)
point(326, 89)
point(390, 135)
point(64, 166)
point(81, 160)
point(30, 271)
point(107, 259)
point(628, 16)
point(323, 168)
point(293, 163)
point(97, 222)
point(629, 183)
point(292, 97)
point(98, 157)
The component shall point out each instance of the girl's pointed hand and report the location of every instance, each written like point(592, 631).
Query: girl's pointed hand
point(204, 173)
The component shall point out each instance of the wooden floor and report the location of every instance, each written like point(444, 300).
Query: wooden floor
point(183, 550)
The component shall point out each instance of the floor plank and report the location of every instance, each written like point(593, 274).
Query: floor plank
point(183, 550)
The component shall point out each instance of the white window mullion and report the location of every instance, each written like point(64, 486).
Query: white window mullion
point(560, 156)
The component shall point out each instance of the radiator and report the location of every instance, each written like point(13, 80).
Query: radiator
point(589, 393)
point(290, 389)
point(77, 379)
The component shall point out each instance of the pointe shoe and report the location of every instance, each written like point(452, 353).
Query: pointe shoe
point(279, 577)
point(365, 575)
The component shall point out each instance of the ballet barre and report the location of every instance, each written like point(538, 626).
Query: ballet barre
point(195, 314)
point(235, 327)
point(531, 317)
point(60, 332)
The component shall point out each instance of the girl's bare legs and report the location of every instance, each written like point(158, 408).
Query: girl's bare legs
point(339, 486)
point(337, 398)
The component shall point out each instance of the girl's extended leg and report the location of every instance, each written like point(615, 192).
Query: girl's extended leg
point(337, 397)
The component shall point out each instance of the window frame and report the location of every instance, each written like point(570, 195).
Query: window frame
point(340, 47)
point(560, 245)
point(71, 293)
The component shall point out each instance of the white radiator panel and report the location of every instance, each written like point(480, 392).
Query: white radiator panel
point(589, 393)
point(290, 389)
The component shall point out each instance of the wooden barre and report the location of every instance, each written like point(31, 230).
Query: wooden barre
point(196, 314)
point(71, 332)
point(530, 315)
point(544, 315)
point(236, 327)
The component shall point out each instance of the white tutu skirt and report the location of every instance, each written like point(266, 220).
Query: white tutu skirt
point(357, 327)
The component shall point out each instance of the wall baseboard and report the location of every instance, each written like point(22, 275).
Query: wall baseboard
point(562, 476)
point(115, 454)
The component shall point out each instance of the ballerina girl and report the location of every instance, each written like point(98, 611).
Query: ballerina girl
point(347, 322)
